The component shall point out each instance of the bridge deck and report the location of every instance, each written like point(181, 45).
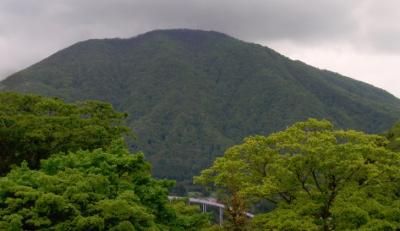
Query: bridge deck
point(206, 202)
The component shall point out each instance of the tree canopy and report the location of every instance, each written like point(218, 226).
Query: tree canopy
point(393, 136)
point(104, 189)
point(317, 178)
point(71, 170)
point(33, 127)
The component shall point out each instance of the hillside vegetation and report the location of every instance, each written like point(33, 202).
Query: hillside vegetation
point(310, 176)
point(191, 94)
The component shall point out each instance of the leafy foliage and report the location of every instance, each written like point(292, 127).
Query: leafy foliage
point(317, 177)
point(33, 127)
point(92, 190)
point(393, 136)
point(191, 94)
point(189, 218)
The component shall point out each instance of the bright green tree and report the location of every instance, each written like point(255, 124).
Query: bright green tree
point(318, 178)
point(188, 217)
point(92, 190)
point(33, 127)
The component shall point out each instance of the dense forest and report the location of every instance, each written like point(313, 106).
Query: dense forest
point(71, 170)
point(312, 175)
point(33, 127)
point(115, 126)
point(189, 95)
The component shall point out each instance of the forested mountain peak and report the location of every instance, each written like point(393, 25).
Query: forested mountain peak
point(190, 93)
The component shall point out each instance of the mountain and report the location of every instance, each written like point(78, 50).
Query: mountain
point(190, 94)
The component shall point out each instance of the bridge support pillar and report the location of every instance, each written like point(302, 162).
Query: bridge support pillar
point(204, 208)
point(221, 216)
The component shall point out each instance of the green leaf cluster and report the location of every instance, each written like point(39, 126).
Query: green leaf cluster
point(92, 190)
point(393, 135)
point(33, 127)
point(316, 177)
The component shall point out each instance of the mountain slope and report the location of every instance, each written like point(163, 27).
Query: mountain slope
point(190, 94)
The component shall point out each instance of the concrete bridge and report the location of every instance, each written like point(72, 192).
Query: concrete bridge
point(208, 203)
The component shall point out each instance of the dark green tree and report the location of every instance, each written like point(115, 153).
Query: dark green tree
point(393, 136)
point(33, 127)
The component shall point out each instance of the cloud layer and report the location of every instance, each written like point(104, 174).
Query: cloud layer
point(355, 38)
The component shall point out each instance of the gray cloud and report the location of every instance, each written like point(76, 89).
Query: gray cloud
point(250, 19)
point(33, 29)
point(380, 29)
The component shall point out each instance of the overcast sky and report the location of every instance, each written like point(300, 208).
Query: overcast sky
point(357, 38)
